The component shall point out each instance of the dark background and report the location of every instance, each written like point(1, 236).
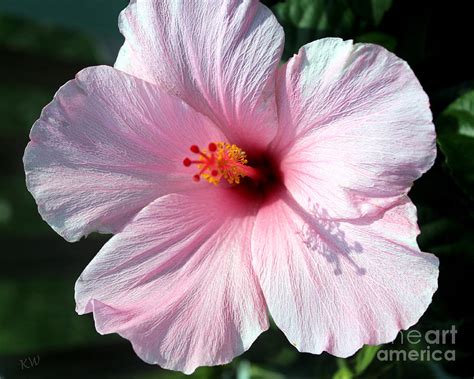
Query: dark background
point(44, 43)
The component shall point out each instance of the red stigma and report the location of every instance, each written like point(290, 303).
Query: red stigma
point(212, 147)
point(187, 162)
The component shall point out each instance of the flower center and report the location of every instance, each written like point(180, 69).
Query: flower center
point(221, 160)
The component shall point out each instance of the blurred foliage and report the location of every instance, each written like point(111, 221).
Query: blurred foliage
point(307, 20)
point(361, 362)
point(456, 139)
point(45, 300)
point(44, 43)
point(385, 40)
point(96, 19)
point(27, 36)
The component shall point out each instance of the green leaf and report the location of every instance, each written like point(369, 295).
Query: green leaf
point(344, 372)
point(359, 363)
point(257, 372)
point(364, 358)
point(455, 128)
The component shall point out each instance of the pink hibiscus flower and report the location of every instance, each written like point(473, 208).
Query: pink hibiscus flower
point(298, 205)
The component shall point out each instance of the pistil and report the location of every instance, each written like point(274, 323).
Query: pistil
point(221, 160)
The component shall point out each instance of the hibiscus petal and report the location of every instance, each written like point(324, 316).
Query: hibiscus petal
point(106, 146)
point(355, 126)
point(335, 286)
point(219, 56)
point(178, 282)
